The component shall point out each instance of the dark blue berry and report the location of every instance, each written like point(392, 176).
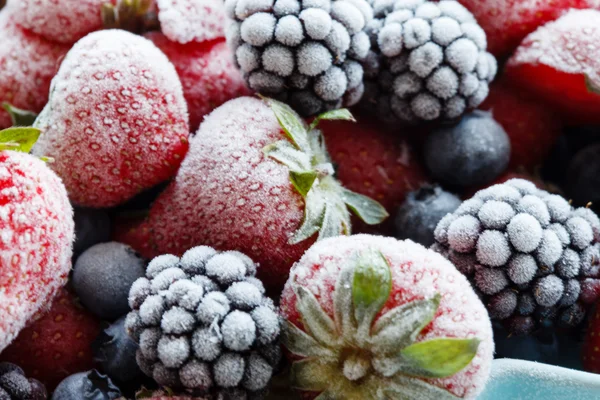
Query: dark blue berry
point(583, 176)
point(115, 351)
point(472, 153)
point(16, 385)
point(540, 347)
point(91, 227)
point(422, 210)
point(103, 275)
point(90, 385)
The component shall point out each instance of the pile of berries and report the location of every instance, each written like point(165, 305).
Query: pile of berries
point(207, 199)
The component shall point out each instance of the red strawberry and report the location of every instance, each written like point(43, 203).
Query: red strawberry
point(116, 121)
point(36, 237)
point(27, 65)
point(554, 61)
point(507, 22)
point(374, 162)
point(57, 342)
point(186, 21)
point(366, 312)
point(207, 72)
point(245, 185)
point(64, 21)
point(532, 127)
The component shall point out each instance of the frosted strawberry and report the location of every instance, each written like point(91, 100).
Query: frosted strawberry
point(187, 21)
point(116, 121)
point(27, 65)
point(36, 233)
point(554, 62)
point(370, 317)
point(64, 21)
point(208, 75)
point(257, 179)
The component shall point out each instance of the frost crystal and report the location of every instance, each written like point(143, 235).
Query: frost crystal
point(515, 238)
point(203, 324)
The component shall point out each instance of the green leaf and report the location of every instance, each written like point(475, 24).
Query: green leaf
point(371, 288)
point(342, 114)
point(303, 181)
point(291, 123)
point(315, 319)
point(318, 147)
point(301, 344)
point(314, 209)
point(19, 138)
point(407, 388)
point(332, 224)
point(592, 86)
point(285, 153)
point(18, 116)
point(367, 209)
point(439, 358)
point(342, 303)
point(313, 375)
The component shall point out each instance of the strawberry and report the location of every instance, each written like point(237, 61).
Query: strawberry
point(374, 162)
point(186, 21)
point(590, 351)
point(532, 127)
point(64, 21)
point(36, 233)
point(253, 185)
point(27, 65)
point(507, 22)
point(369, 317)
point(116, 121)
point(554, 62)
point(208, 75)
point(56, 343)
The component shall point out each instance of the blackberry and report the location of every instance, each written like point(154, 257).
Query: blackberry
point(14, 385)
point(303, 52)
point(428, 61)
point(204, 325)
point(528, 252)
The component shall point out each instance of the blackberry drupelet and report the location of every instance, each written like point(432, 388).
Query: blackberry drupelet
point(303, 52)
point(428, 61)
point(204, 325)
point(14, 385)
point(528, 252)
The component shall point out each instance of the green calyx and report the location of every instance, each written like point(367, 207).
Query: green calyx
point(19, 139)
point(356, 355)
point(131, 15)
point(327, 202)
point(593, 85)
point(18, 116)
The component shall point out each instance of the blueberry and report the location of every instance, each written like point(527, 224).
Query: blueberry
point(422, 210)
point(472, 153)
point(540, 346)
point(91, 227)
point(115, 351)
point(90, 385)
point(583, 176)
point(103, 276)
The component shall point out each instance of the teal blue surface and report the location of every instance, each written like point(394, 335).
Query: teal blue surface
point(526, 380)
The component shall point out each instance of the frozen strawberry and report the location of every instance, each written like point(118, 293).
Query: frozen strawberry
point(36, 237)
point(375, 318)
point(247, 185)
point(374, 162)
point(116, 121)
point(64, 21)
point(27, 65)
point(208, 75)
point(187, 21)
point(554, 61)
point(57, 342)
point(507, 22)
point(532, 127)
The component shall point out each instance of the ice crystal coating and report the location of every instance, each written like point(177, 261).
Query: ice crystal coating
point(185, 21)
point(305, 54)
point(116, 121)
point(428, 61)
point(515, 238)
point(204, 337)
point(36, 238)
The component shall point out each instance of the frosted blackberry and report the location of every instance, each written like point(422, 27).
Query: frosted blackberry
point(428, 61)
point(528, 252)
point(204, 325)
point(14, 385)
point(303, 52)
